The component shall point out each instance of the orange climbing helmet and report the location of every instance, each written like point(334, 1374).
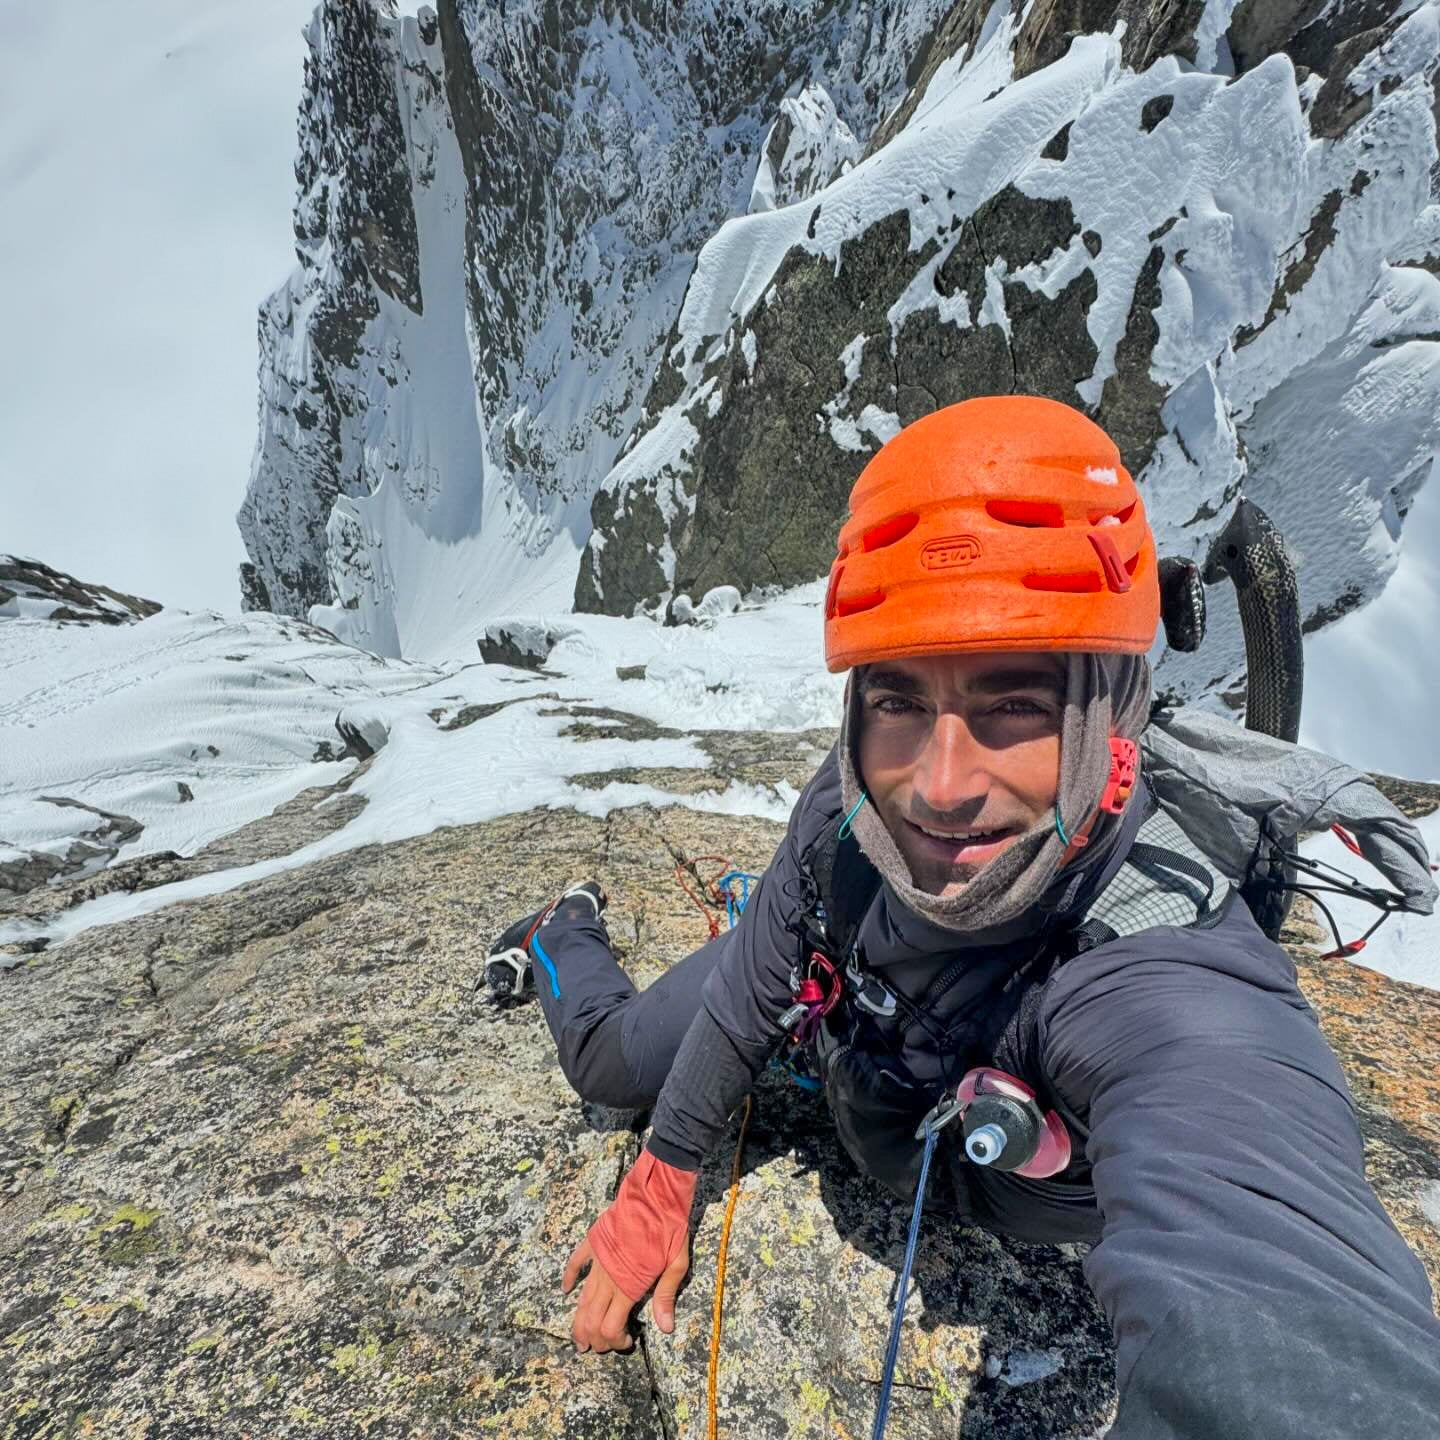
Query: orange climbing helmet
point(1001, 523)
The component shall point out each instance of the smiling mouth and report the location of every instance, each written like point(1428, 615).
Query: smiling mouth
point(973, 846)
point(968, 837)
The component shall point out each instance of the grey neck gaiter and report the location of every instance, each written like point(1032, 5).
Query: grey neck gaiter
point(1013, 895)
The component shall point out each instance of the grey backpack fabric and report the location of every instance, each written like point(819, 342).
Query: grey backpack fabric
point(1166, 880)
point(1241, 797)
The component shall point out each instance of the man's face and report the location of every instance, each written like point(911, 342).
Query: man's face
point(960, 754)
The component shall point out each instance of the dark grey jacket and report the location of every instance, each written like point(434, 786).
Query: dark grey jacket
point(1254, 1283)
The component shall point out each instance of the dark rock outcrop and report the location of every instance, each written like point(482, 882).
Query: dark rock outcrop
point(83, 854)
point(29, 588)
point(1200, 366)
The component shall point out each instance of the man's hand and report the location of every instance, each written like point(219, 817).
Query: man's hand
point(602, 1318)
point(640, 1242)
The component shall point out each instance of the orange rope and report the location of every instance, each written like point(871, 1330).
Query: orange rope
point(717, 1322)
point(717, 897)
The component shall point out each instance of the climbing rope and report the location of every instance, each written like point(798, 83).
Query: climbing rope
point(721, 894)
point(718, 1317)
point(735, 905)
point(892, 1350)
point(718, 893)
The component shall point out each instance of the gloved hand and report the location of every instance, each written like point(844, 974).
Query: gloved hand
point(641, 1239)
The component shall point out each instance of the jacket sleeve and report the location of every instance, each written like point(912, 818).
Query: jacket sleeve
point(1254, 1283)
point(737, 1028)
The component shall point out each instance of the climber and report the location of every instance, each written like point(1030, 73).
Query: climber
point(982, 880)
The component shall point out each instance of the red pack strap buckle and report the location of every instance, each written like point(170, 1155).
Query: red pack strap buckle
point(1124, 758)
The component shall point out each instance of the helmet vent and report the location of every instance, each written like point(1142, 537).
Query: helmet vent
point(1033, 514)
point(1084, 583)
point(887, 532)
point(1113, 517)
point(854, 604)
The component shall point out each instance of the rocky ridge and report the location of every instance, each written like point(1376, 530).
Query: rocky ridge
point(35, 590)
point(267, 1168)
point(918, 280)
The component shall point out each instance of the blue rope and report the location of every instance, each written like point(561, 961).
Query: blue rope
point(854, 811)
point(1059, 828)
point(734, 908)
point(892, 1350)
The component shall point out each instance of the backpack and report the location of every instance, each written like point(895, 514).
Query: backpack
point(1226, 809)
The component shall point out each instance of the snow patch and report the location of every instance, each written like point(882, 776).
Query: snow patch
point(239, 709)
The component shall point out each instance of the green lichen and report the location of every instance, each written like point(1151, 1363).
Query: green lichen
point(813, 1397)
point(349, 1357)
point(127, 1236)
point(805, 1231)
point(942, 1395)
point(203, 1343)
point(128, 1214)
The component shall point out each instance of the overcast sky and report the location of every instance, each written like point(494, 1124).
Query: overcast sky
point(146, 185)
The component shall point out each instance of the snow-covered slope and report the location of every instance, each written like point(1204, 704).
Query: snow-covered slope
point(123, 741)
point(163, 735)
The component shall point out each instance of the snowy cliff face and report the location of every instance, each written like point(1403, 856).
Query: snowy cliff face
point(500, 210)
point(604, 303)
point(365, 368)
point(1226, 256)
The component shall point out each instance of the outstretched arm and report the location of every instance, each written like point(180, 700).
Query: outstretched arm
point(1254, 1283)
